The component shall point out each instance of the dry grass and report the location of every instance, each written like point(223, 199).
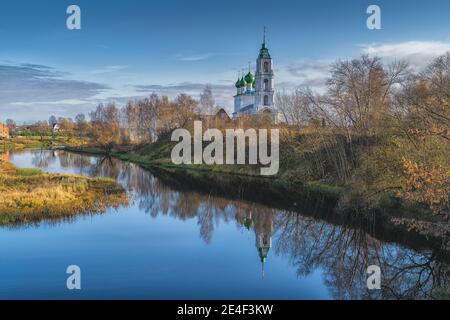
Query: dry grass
point(27, 198)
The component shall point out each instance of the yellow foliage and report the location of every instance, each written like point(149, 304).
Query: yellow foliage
point(430, 186)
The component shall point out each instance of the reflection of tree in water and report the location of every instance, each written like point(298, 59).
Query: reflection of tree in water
point(73, 160)
point(342, 254)
point(81, 163)
point(43, 158)
point(413, 275)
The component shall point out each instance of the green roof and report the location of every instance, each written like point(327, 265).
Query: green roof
point(248, 223)
point(263, 252)
point(249, 78)
point(264, 52)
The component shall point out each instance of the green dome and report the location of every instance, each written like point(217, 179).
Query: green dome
point(249, 78)
point(242, 83)
point(238, 83)
point(248, 223)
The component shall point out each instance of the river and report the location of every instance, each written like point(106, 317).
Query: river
point(173, 244)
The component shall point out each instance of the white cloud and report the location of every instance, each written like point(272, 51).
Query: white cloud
point(58, 102)
point(31, 91)
point(108, 69)
point(417, 53)
point(313, 73)
point(304, 73)
point(193, 57)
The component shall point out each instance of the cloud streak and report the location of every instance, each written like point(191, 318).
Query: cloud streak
point(109, 69)
point(417, 53)
point(193, 57)
point(26, 88)
point(314, 73)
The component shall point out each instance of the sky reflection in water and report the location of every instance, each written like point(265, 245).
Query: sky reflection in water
point(171, 244)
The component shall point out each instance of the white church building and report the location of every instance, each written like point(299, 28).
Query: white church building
point(255, 92)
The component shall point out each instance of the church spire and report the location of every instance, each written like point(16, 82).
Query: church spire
point(264, 52)
point(264, 37)
point(238, 84)
point(263, 274)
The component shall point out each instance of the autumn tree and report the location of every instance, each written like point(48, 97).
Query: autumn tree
point(423, 117)
point(105, 126)
point(179, 113)
point(359, 92)
point(140, 118)
point(11, 124)
point(42, 128)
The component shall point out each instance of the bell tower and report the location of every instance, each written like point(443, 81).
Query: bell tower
point(264, 86)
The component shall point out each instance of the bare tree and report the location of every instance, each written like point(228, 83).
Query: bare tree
point(11, 124)
point(80, 120)
point(359, 91)
point(207, 103)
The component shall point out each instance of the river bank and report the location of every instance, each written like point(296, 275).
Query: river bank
point(29, 195)
point(396, 222)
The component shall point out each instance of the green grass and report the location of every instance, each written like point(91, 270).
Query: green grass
point(28, 172)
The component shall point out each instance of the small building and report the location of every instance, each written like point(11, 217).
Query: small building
point(55, 127)
point(222, 115)
point(4, 131)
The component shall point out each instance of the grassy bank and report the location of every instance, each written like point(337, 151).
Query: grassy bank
point(158, 156)
point(33, 142)
point(298, 176)
point(397, 222)
point(29, 195)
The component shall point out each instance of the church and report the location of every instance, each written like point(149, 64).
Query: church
point(255, 92)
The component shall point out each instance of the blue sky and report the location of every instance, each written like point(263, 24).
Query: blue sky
point(128, 49)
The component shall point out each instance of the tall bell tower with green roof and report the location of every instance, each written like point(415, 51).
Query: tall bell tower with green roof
point(255, 92)
point(264, 82)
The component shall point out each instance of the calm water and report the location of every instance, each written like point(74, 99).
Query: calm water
point(185, 245)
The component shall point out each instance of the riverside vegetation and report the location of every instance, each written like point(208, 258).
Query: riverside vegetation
point(29, 195)
point(377, 141)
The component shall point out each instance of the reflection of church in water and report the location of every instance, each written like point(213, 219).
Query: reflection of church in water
point(262, 224)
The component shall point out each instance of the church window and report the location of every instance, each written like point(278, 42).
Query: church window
point(266, 84)
point(266, 66)
point(266, 100)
